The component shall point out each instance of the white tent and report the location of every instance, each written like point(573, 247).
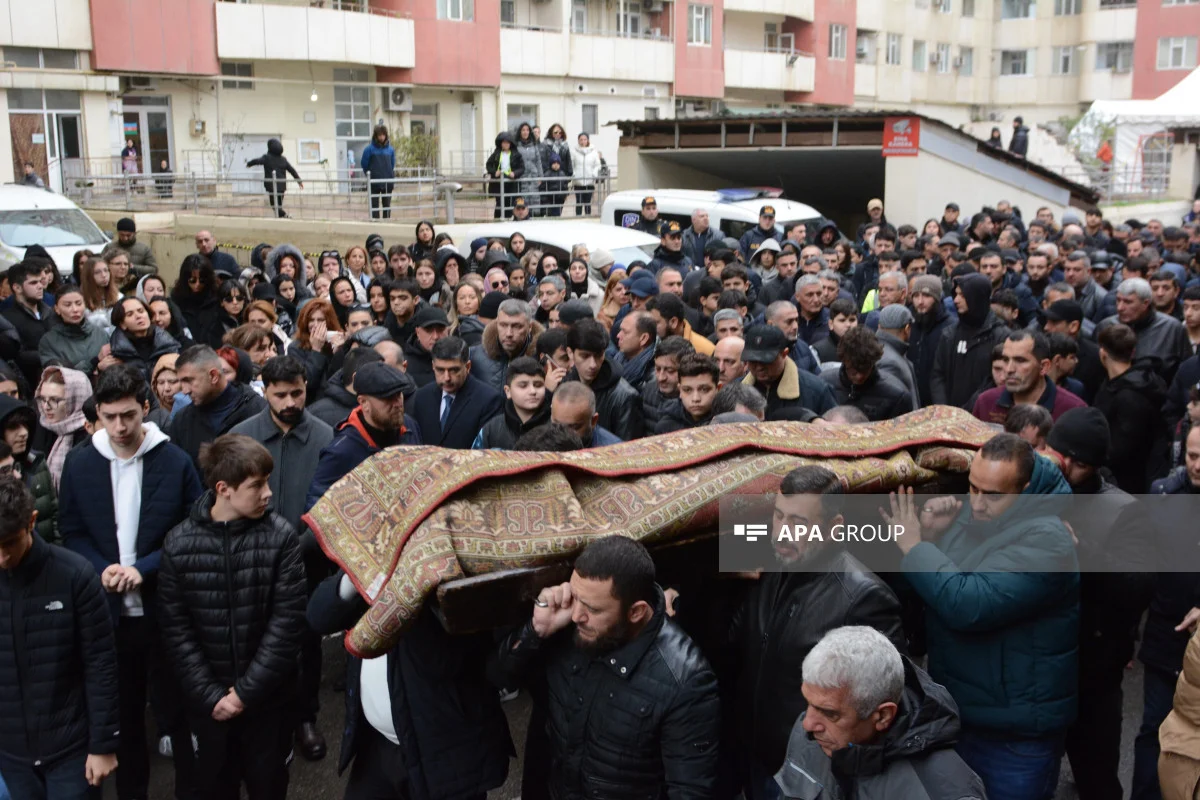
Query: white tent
point(1140, 147)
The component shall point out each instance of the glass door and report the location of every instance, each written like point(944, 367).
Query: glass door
point(70, 150)
point(147, 127)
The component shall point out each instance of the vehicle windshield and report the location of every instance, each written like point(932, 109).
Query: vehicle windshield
point(49, 227)
point(627, 255)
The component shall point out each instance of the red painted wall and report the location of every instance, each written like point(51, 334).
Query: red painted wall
point(699, 71)
point(449, 53)
point(833, 82)
point(1154, 21)
point(167, 36)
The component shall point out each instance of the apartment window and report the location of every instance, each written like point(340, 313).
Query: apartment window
point(776, 42)
point(1016, 62)
point(651, 112)
point(1118, 3)
point(968, 8)
point(457, 10)
point(508, 12)
point(1067, 8)
point(966, 61)
point(579, 16)
point(1176, 2)
point(35, 58)
point(1064, 61)
point(837, 42)
point(237, 69)
point(699, 24)
point(630, 23)
point(351, 104)
point(864, 47)
point(591, 114)
point(919, 58)
point(1177, 52)
point(1017, 9)
point(943, 59)
point(943, 6)
point(893, 49)
point(521, 113)
point(1115, 56)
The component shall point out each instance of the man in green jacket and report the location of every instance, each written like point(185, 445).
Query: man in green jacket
point(1000, 582)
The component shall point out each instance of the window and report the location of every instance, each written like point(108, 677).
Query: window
point(864, 47)
point(1115, 56)
point(1016, 62)
point(508, 12)
point(579, 20)
point(423, 120)
point(237, 69)
point(966, 61)
point(1017, 9)
point(919, 59)
point(1177, 52)
point(457, 10)
point(351, 104)
point(968, 9)
point(837, 42)
point(519, 113)
point(1177, 2)
point(651, 112)
point(630, 23)
point(943, 59)
point(1067, 8)
point(699, 24)
point(893, 49)
point(33, 58)
point(591, 114)
point(1118, 3)
point(1064, 61)
point(776, 42)
point(943, 6)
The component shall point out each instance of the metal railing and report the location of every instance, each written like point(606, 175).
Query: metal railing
point(650, 34)
point(360, 6)
point(1123, 181)
point(410, 199)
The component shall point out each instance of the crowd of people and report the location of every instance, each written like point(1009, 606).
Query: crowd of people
point(161, 445)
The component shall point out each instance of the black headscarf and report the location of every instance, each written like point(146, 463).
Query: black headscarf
point(340, 311)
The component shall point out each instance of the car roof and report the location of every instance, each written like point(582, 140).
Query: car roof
point(784, 209)
point(565, 235)
point(15, 197)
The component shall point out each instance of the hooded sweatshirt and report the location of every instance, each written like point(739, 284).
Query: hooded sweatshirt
point(126, 478)
point(275, 165)
point(963, 362)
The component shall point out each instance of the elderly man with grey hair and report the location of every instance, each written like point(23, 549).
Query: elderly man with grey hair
point(814, 316)
point(727, 322)
point(1077, 271)
point(892, 290)
point(512, 334)
point(1158, 334)
point(876, 726)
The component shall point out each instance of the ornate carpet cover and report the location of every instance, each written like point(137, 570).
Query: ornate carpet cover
point(410, 518)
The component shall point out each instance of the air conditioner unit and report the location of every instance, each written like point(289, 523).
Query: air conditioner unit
point(935, 58)
point(653, 6)
point(141, 83)
point(397, 98)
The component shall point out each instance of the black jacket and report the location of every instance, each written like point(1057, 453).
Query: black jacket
point(475, 404)
point(665, 258)
point(1132, 404)
point(780, 621)
point(353, 443)
point(314, 363)
point(675, 418)
point(145, 353)
point(502, 431)
point(1175, 592)
point(654, 404)
point(795, 389)
point(489, 361)
point(231, 599)
point(964, 355)
point(880, 398)
point(58, 660)
point(1089, 371)
point(1019, 144)
point(420, 362)
point(454, 739)
point(617, 402)
point(29, 329)
point(275, 166)
point(192, 426)
point(923, 341)
point(640, 721)
point(516, 164)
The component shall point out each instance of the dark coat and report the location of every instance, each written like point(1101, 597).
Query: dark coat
point(58, 660)
point(694, 243)
point(780, 621)
point(420, 362)
point(964, 356)
point(335, 404)
point(880, 397)
point(314, 363)
point(676, 418)
point(352, 444)
point(275, 166)
point(752, 238)
point(74, 346)
point(88, 522)
point(454, 740)
point(1159, 335)
point(640, 722)
point(192, 426)
point(516, 164)
point(296, 454)
point(489, 362)
point(231, 598)
point(654, 404)
point(1132, 403)
point(617, 403)
point(1019, 144)
point(502, 431)
point(29, 329)
point(379, 163)
point(795, 389)
point(145, 355)
point(1175, 592)
point(923, 341)
point(474, 405)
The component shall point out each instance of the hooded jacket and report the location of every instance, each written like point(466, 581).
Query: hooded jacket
point(771, 275)
point(754, 237)
point(502, 431)
point(271, 265)
point(353, 442)
point(1019, 144)
point(275, 166)
point(963, 360)
point(1132, 403)
point(913, 759)
point(516, 165)
point(586, 163)
point(490, 363)
point(34, 471)
point(654, 404)
point(531, 153)
point(379, 162)
point(145, 357)
point(617, 402)
point(74, 346)
point(923, 341)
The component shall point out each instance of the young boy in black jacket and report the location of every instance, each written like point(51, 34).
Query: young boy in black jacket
point(527, 406)
point(232, 596)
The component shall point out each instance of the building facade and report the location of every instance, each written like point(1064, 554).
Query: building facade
point(100, 87)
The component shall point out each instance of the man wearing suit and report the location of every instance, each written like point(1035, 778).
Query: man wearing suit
point(451, 410)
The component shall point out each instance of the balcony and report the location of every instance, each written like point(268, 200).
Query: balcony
point(314, 30)
point(61, 24)
point(761, 69)
point(864, 80)
point(800, 9)
point(594, 54)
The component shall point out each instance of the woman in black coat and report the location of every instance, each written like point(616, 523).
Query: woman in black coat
point(504, 166)
point(196, 295)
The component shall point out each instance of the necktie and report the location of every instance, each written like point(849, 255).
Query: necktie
point(447, 401)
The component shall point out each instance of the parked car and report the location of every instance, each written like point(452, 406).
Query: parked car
point(30, 216)
point(732, 211)
point(558, 237)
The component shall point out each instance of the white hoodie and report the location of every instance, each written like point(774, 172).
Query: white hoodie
point(126, 479)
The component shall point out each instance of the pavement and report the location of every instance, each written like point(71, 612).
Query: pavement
point(319, 780)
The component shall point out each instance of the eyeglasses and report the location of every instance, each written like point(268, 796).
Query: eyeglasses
point(235, 298)
point(50, 402)
point(9, 469)
point(194, 278)
point(499, 284)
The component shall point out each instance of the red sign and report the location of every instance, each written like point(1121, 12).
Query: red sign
point(901, 136)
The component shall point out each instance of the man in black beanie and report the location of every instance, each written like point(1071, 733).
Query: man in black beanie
point(141, 257)
point(489, 306)
point(1116, 577)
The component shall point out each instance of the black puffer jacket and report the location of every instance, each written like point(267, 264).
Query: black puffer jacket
point(642, 721)
point(502, 431)
point(58, 659)
point(1132, 403)
point(335, 404)
point(964, 355)
point(617, 403)
point(880, 397)
point(654, 404)
point(420, 362)
point(144, 353)
point(231, 598)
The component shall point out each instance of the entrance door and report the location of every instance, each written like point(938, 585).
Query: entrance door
point(29, 144)
point(147, 123)
point(70, 150)
point(351, 178)
point(470, 152)
point(236, 150)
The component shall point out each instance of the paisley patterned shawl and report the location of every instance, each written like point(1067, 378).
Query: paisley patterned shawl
point(410, 518)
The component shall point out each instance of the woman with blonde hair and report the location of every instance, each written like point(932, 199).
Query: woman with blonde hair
point(262, 314)
point(463, 314)
point(100, 293)
point(616, 297)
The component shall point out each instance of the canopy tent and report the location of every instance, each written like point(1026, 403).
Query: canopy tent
point(1139, 129)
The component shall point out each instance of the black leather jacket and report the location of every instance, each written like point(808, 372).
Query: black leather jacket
point(617, 402)
point(641, 721)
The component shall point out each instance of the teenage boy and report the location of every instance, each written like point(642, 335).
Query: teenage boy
point(699, 377)
point(232, 598)
point(121, 492)
point(526, 407)
point(842, 317)
point(402, 305)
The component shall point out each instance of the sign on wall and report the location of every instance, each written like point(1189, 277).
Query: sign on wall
point(901, 136)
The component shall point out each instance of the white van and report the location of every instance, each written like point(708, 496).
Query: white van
point(731, 211)
point(30, 216)
point(558, 237)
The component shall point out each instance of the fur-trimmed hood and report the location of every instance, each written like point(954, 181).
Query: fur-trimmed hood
point(491, 341)
point(278, 252)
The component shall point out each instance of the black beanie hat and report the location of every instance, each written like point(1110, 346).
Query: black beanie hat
point(489, 307)
point(126, 225)
point(1082, 434)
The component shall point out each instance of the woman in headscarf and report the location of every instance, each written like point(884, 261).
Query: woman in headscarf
point(60, 396)
point(580, 285)
point(423, 246)
point(162, 312)
point(477, 255)
point(164, 382)
point(343, 299)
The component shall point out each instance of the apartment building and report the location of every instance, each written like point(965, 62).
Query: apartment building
point(200, 85)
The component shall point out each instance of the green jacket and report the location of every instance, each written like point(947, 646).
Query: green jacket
point(45, 503)
point(74, 346)
point(1002, 601)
